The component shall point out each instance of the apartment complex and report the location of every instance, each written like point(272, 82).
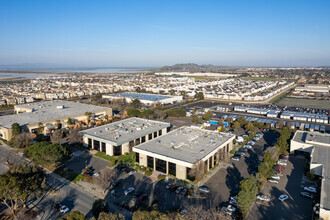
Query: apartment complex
point(178, 151)
point(48, 113)
point(317, 145)
point(120, 137)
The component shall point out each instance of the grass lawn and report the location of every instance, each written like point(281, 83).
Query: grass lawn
point(68, 174)
point(105, 157)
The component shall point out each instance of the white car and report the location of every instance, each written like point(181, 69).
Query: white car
point(64, 209)
point(272, 180)
point(263, 197)
point(235, 158)
point(129, 190)
point(310, 189)
point(131, 172)
point(276, 177)
point(282, 163)
point(283, 197)
point(183, 212)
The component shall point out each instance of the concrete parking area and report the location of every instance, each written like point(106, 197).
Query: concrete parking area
point(291, 184)
point(179, 122)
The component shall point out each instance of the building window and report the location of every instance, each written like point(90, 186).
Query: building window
point(215, 159)
point(227, 148)
point(117, 150)
point(137, 141)
point(172, 168)
point(150, 136)
point(150, 162)
point(137, 157)
point(89, 143)
point(161, 165)
point(160, 133)
point(205, 166)
point(168, 129)
point(143, 139)
point(210, 162)
point(155, 134)
point(103, 147)
point(96, 145)
point(191, 178)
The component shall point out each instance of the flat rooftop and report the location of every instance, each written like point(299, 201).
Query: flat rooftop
point(48, 111)
point(140, 96)
point(186, 144)
point(126, 130)
point(311, 137)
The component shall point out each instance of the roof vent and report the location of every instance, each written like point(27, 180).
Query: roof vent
point(172, 143)
point(158, 141)
point(201, 151)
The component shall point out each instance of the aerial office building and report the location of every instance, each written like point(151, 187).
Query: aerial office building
point(120, 137)
point(178, 151)
point(48, 114)
point(145, 98)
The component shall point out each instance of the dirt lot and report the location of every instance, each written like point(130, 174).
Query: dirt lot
point(306, 103)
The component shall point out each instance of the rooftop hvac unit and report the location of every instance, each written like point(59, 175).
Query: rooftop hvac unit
point(60, 107)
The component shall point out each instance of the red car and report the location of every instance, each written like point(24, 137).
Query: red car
point(277, 167)
point(143, 197)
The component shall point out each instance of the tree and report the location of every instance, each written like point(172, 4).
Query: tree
point(58, 124)
point(16, 129)
point(107, 177)
point(22, 140)
point(41, 128)
point(133, 112)
point(199, 96)
point(242, 121)
point(75, 136)
point(44, 153)
point(236, 125)
point(171, 92)
point(56, 137)
point(176, 113)
point(198, 170)
point(207, 116)
point(149, 114)
point(69, 121)
point(230, 120)
point(136, 103)
point(75, 215)
point(249, 126)
point(247, 194)
point(183, 93)
point(19, 184)
point(88, 115)
point(110, 216)
point(220, 123)
point(266, 166)
point(99, 206)
point(195, 119)
point(138, 89)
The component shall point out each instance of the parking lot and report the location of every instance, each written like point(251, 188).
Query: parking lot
point(226, 181)
point(291, 184)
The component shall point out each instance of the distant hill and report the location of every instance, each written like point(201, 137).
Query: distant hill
point(192, 67)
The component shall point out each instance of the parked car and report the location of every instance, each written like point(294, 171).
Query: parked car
point(229, 209)
point(204, 189)
point(235, 158)
point(263, 197)
point(278, 167)
point(131, 172)
point(183, 212)
point(184, 191)
point(64, 209)
point(306, 194)
point(272, 180)
point(284, 156)
point(143, 197)
point(239, 153)
point(283, 160)
point(233, 200)
point(276, 177)
point(128, 190)
point(283, 197)
point(310, 189)
point(174, 187)
point(282, 163)
point(168, 185)
point(178, 190)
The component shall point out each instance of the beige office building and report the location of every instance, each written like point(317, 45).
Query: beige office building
point(48, 113)
point(120, 137)
point(176, 152)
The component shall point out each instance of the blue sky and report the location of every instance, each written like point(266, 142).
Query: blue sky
point(156, 33)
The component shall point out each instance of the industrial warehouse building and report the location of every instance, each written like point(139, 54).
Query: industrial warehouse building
point(120, 137)
point(145, 98)
point(47, 113)
point(178, 151)
point(317, 145)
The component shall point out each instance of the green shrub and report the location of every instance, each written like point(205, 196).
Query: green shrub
point(148, 172)
point(161, 177)
point(176, 113)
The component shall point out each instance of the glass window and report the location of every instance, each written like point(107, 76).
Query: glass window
point(89, 143)
point(103, 147)
point(172, 168)
point(150, 162)
point(143, 139)
point(137, 157)
point(160, 132)
point(96, 145)
point(155, 134)
point(117, 150)
point(161, 165)
point(150, 136)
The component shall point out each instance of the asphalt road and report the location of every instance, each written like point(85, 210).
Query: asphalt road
point(291, 184)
